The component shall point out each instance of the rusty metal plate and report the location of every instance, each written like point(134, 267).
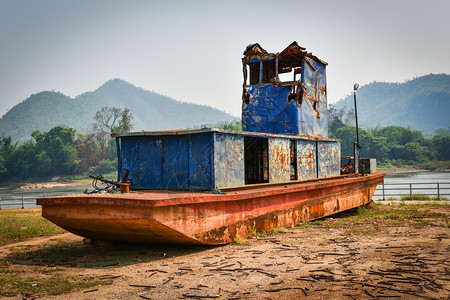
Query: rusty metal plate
point(279, 158)
point(306, 160)
point(228, 160)
point(328, 158)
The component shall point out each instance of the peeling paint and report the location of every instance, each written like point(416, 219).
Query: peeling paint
point(328, 158)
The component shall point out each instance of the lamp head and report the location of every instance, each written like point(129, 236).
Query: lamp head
point(355, 86)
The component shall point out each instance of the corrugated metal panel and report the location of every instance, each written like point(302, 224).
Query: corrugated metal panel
point(313, 118)
point(142, 157)
point(328, 158)
point(306, 157)
point(229, 160)
point(201, 161)
point(176, 162)
point(279, 159)
point(168, 162)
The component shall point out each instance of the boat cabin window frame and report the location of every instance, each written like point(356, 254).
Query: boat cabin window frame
point(275, 70)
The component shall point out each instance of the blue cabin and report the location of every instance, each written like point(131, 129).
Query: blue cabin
point(284, 137)
point(284, 92)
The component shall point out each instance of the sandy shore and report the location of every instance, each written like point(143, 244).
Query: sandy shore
point(410, 170)
point(50, 185)
point(402, 170)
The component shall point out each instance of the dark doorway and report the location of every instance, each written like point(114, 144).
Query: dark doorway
point(256, 157)
point(293, 160)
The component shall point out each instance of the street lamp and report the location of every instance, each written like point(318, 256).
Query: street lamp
point(355, 87)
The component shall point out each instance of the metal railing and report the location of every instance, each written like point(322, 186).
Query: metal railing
point(24, 200)
point(409, 191)
point(20, 201)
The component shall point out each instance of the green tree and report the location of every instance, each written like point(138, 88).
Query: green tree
point(59, 145)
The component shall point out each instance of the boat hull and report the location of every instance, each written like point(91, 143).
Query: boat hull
point(206, 218)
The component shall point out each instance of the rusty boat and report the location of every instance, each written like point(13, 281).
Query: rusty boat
point(209, 186)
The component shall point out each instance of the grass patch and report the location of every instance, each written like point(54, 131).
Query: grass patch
point(373, 221)
point(276, 230)
point(416, 197)
point(40, 281)
point(240, 240)
point(16, 225)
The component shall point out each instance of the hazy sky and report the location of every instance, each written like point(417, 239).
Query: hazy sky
point(192, 50)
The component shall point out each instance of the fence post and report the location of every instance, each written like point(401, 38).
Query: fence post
point(439, 194)
point(410, 191)
point(22, 202)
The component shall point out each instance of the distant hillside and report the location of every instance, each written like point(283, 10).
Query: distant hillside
point(151, 111)
point(422, 103)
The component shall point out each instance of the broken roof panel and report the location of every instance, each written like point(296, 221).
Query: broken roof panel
point(254, 49)
point(291, 53)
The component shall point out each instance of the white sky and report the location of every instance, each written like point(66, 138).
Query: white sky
point(192, 50)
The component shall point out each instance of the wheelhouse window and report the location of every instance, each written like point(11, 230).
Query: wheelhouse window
point(269, 71)
point(287, 71)
point(254, 72)
point(256, 160)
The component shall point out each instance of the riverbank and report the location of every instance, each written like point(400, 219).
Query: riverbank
point(52, 184)
point(409, 170)
point(402, 170)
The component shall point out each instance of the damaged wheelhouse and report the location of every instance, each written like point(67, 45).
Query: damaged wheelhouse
point(284, 93)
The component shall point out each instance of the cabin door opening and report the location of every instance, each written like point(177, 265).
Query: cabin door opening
point(256, 157)
point(293, 160)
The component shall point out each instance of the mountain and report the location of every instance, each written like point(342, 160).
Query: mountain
point(422, 103)
point(151, 111)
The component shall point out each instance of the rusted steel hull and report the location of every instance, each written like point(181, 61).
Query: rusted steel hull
point(202, 218)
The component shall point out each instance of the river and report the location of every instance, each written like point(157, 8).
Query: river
point(11, 196)
point(423, 183)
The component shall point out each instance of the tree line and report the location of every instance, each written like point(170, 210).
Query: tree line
point(61, 151)
point(392, 146)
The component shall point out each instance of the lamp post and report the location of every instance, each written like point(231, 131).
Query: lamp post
point(355, 87)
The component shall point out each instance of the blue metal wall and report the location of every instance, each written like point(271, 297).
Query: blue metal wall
point(142, 157)
point(269, 111)
point(168, 162)
point(313, 117)
point(214, 159)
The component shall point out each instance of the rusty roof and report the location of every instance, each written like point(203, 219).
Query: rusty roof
point(291, 52)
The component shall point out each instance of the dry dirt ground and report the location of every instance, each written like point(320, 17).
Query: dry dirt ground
point(336, 258)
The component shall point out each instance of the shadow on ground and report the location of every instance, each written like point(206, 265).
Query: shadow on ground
point(86, 255)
